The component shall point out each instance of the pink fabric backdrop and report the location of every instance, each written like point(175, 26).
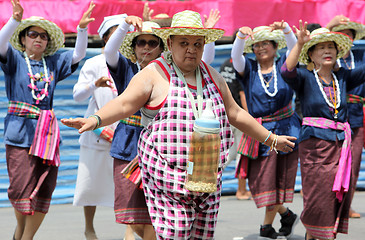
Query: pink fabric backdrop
point(235, 13)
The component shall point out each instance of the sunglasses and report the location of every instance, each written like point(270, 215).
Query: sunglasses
point(33, 35)
point(151, 43)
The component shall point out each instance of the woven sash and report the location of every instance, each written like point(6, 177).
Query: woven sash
point(342, 179)
point(351, 98)
point(46, 139)
point(106, 133)
point(133, 120)
point(133, 172)
point(248, 146)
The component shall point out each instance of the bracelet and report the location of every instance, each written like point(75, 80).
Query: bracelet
point(274, 144)
point(267, 138)
point(243, 38)
point(98, 119)
point(288, 32)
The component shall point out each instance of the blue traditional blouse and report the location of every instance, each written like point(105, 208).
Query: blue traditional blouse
point(260, 104)
point(19, 131)
point(125, 140)
point(313, 104)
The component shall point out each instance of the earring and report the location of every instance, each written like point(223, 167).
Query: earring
point(310, 66)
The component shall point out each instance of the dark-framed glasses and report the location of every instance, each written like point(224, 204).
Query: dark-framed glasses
point(151, 43)
point(34, 34)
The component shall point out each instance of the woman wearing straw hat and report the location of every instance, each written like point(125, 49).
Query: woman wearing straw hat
point(94, 185)
point(325, 138)
point(271, 175)
point(350, 60)
point(32, 69)
point(161, 91)
point(137, 49)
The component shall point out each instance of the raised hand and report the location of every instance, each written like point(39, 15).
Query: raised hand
point(302, 33)
point(211, 21)
point(82, 124)
point(278, 25)
point(247, 31)
point(337, 20)
point(86, 17)
point(135, 21)
point(17, 10)
point(147, 12)
point(104, 82)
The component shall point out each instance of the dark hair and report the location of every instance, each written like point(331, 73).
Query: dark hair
point(106, 34)
point(353, 32)
point(161, 44)
point(313, 26)
point(311, 49)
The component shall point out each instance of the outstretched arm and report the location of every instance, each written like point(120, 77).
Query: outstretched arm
point(290, 38)
point(116, 39)
point(238, 60)
point(210, 22)
point(81, 39)
point(8, 29)
point(303, 37)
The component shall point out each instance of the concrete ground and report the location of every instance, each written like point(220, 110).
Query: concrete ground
point(237, 220)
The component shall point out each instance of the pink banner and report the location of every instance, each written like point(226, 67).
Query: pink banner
point(234, 13)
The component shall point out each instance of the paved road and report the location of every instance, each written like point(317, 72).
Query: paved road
point(236, 219)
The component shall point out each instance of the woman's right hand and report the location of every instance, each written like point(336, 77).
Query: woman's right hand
point(302, 33)
point(82, 124)
point(17, 10)
point(247, 31)
point(135, 21)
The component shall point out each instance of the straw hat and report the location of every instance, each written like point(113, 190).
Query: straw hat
point(264, 33)
point(110, 21)
point(189, 23)
point(127, 50)
point(320, 35)
point(55, 34)
point(162, 19)
point(357, 27)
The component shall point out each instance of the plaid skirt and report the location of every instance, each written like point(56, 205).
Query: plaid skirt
point(31, 181)
point(129, 200)
point(272, 178)
point(323, 215)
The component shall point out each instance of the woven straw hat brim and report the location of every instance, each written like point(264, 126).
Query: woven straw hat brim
point(342, 41)
point(57, 38)
point(126, 48)
point(265, 35)
point(210, 34)
point(358, 27)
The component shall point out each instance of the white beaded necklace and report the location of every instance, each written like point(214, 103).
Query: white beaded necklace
point(352, 61)
point(35, 77)
point(263, 83)
point(338, 92)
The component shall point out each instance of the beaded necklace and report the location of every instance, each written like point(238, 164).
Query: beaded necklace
point(352, 61)
point(336, 91)
point(44, 92)
point(265, 86)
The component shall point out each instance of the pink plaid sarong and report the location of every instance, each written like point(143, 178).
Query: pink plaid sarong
point(342, 179)
point(47, 134)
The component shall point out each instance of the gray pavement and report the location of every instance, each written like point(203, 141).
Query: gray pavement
point(236, 219)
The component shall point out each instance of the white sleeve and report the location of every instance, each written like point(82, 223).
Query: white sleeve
point(209, 53)
point(290, 38)
point(114, 43)
point(85, 85)
point(238, 60)
point(80, 45)
point(5, 34)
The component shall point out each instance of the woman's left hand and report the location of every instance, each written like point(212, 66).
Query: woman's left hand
point(211, 21)
point(86, 17)
point(278, 25)
point(285, 143)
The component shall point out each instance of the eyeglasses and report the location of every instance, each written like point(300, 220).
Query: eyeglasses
point(151, 43)
point(34, 34)
point(263, 45)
